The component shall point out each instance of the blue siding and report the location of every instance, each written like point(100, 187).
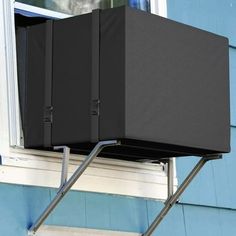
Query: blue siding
point(173, 224)
point(232, 57)
point(227, 222)
point(13, 207)
point(214, 185)
point(97, 204)
point(209, 221)
point(216, 16)
point(231, 173)
point(196, 193)
point(71, 210)
point(128, 214)
point(202, 221)
point(21, 205)
point(222, 183)
point(31, 207)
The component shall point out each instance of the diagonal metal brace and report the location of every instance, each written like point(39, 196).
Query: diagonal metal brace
point(68, 184)
point(173, 199)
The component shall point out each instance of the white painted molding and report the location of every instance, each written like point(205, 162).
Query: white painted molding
point(10, 80)
point(40, 11)
point(69, 231)
point(104, 175)
point(4, 125)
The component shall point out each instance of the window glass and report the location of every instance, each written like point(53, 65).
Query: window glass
point(77, 7)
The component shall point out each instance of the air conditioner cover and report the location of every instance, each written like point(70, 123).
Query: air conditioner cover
point(158, 86)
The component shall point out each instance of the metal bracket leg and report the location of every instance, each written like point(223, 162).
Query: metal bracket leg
point(170, 173)
point(172, 199)
point(68, 184)
point(65, 163)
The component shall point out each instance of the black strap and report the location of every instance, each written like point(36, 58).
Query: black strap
point(95, 101)
point(48, 84)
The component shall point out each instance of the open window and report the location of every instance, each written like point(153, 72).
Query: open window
point(204, 142)
point(20, 164)
point(26, 12)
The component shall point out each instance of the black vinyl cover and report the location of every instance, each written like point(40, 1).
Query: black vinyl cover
point(159, 86)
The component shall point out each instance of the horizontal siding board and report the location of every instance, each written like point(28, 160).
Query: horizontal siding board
point(128, 214)
point(97, 211)
point(227, 222)
point(201, 190)
point(21, 205)
point(202, 221)
point(13, 218)
point(230, 160)
point(70, 211)
point(33, 208)
point(221, 183)
point(214, 185)
point(224, 176)
point(172, 224)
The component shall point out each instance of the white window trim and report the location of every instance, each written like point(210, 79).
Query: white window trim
point(41, 168)
point(159, 7)
point(8, 37)
point(40, 11)
point(66, 231)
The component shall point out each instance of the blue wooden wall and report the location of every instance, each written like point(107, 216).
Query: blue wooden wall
point(20, 206)
point(209, 204)
point(207, 208)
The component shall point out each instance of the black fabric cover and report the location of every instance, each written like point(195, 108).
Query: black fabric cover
point(31, 75)
point(159, 86)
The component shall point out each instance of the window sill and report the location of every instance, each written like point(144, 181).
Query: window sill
point(42, 168)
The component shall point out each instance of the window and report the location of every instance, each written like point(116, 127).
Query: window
point(77, 7)
point(29, 10)
point(30, 167)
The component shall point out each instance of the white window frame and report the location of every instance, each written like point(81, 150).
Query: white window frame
point(159, 7)
point(42, 168)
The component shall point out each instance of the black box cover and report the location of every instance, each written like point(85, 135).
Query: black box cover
point(159, 86)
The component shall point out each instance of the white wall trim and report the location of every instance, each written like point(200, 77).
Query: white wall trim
point(69, 231)
point(103, 175)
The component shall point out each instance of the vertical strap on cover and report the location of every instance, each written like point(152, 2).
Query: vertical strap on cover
point(95, 101)
point(48, 84)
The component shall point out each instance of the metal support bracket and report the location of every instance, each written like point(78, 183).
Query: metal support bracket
point(170, 174)
point(67, 184)
point(65, 163)
point(172, 198)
